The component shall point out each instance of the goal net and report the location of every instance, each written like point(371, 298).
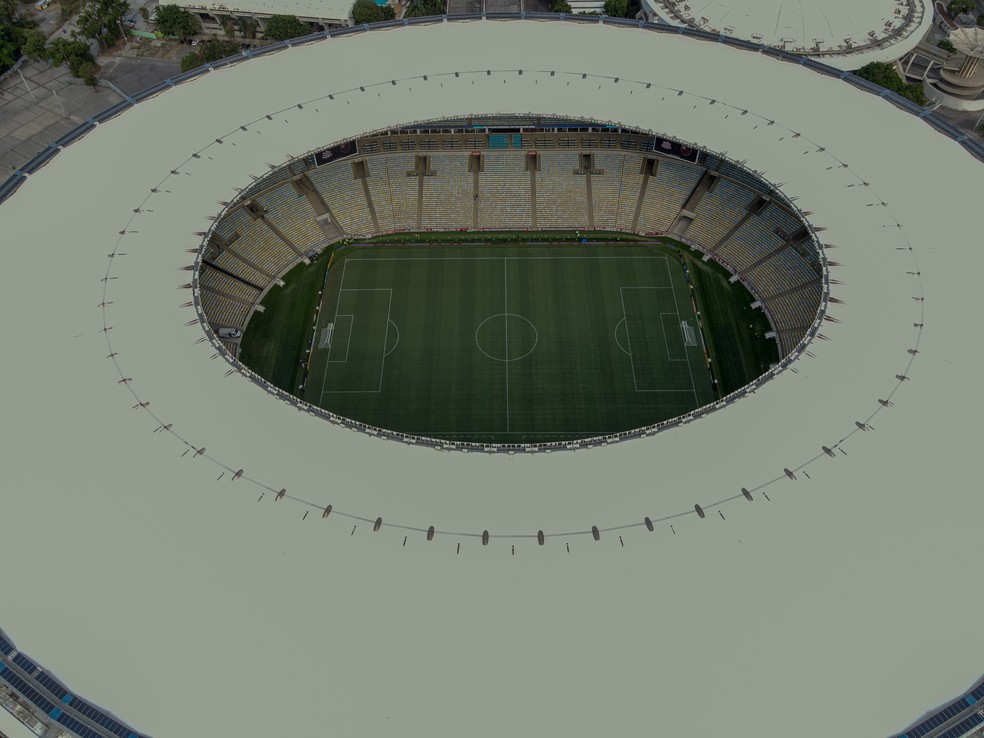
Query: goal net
point(689, 337)
point(326, 332)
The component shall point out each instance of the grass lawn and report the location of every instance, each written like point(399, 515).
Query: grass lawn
point(276, 340)
point(508, 338)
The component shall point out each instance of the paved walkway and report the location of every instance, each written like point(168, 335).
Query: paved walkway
point(31, 117)
point(53, 102)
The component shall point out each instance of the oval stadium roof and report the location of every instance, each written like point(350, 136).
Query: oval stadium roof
point(841, 603)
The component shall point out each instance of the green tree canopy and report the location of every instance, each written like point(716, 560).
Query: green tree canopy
point(35, 47)
point(209, 51)
point(8, 11)
point(87, 72)
point(75, 54)
point(560, 6)
point(15, 28)
point(214, 49)
point(956, 7)
point(885, 75)
point(102, 20)
point(419, 8)
point(283, 27)
point(173, 21)
point(8, 50)
point(616, 8)
point(366, 11)
point(190, 61)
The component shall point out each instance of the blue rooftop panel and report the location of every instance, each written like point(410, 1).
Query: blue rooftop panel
point(51, 685)
point(25, 663)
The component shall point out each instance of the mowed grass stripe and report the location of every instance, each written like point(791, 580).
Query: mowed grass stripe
point(453, 308)
point(436, 380)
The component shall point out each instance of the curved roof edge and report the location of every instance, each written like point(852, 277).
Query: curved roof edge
point(976, 149)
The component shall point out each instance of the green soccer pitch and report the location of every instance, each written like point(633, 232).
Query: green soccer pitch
point(505, 342)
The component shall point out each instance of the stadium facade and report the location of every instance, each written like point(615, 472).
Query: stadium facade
point(164, 502)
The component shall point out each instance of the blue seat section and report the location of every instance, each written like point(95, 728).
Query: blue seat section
point(963, 727)
point(978, 694)
point(39, 159)
point(25, 663)
point(969, 699)
point(5, 646)
point(55, 713)
point(498, 141)
point(98, 716)
point(29, 692)
point(2, 667)
point(937, 719)
point(79, 728)
point(52, 686)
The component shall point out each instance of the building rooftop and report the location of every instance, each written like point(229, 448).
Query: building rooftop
point(845, 34)
point(328, 9)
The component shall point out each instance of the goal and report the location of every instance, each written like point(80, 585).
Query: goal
point(689, 337)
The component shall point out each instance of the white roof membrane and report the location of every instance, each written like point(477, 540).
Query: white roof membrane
point(189, 606)
point(844, 33)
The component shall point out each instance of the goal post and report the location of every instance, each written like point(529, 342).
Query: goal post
point(326, 334)
point(689, 336)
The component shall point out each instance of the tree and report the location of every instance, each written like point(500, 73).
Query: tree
point(35, 47)
point(173, 21)
point(956, 7)
point(87, 72)
point(366, 11)
point(190, 61)
point(283, 27)
point(8, 51)
point(419, 8)
point(102, 20)
point(214, 49)
point(74, 53)
point(885, 75)
point(8, 11)
point(210, 51)
point(947, 45)
point(616, 8)
point(560, 6)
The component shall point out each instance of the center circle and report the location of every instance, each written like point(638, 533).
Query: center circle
point(506, 337)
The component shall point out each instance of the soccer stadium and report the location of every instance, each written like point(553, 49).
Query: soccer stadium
point(570, 376)
point(531, 177)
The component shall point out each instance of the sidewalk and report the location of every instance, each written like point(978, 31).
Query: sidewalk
point(29, 121)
